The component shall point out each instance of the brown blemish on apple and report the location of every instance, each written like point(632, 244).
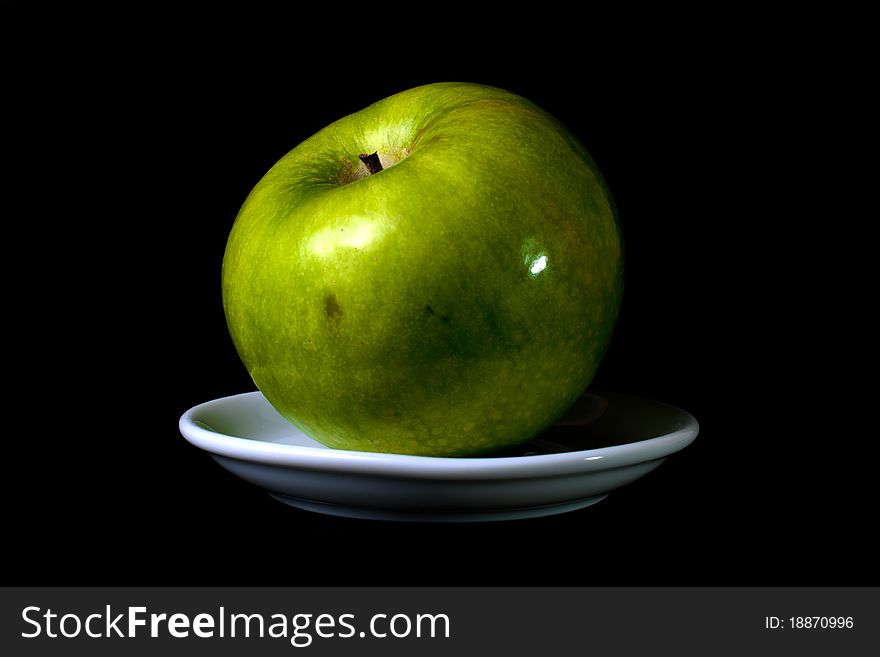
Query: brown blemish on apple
point(434, 313)
point(349, 173)
point(332, 308)
point(415, 141)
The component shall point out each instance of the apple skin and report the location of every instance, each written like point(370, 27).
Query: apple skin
point(455, 303)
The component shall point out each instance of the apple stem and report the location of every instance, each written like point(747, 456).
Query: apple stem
point(371, 161)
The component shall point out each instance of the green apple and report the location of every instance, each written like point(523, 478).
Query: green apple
point(437, 274)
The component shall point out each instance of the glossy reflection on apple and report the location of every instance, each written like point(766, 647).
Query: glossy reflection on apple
point(437, 274)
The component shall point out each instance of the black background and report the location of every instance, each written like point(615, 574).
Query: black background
point(134, 140)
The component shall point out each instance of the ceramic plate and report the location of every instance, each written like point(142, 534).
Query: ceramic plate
point(605, 441)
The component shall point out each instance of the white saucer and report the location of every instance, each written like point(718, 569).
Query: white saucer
point(605, 441)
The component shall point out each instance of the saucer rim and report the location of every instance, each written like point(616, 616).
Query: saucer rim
point(200, 434)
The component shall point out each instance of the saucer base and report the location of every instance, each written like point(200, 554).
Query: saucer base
point(366, 513)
